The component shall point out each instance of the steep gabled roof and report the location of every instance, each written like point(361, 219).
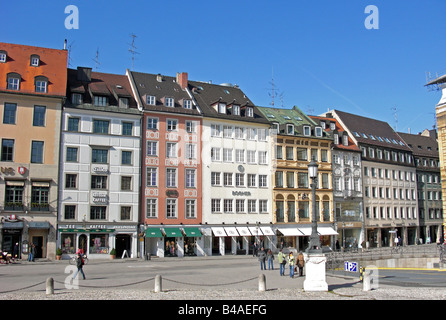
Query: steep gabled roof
point(423, 146)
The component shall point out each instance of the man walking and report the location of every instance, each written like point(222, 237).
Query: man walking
point(262, 259)
point(79, 265)
point(282, 262)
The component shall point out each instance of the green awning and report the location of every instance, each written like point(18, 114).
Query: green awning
point(173, 232)
point(192, 232)
point(154, 233)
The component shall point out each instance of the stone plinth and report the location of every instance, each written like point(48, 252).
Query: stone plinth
point(315, 273)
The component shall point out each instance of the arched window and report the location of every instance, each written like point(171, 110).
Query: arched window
point(41, 84)
point(13, 81)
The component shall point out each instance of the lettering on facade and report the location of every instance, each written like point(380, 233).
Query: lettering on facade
point(103, 170)
point(241, 193)
point(100, 198)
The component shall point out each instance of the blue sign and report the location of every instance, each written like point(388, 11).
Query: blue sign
point(350, 266)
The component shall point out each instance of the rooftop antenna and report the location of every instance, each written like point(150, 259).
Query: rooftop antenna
point(132, 49)
point(310, 110)
point(96, 60)
point(69, 59)
point(395, 114)
point(274, 89)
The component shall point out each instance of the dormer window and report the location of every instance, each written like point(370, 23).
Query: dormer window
point(307, 131)
point(123, 102)
point(332, 126)
point(100, 101)
point(276, 127)
point(318, 131)
point(41, 84)
point(345, 140)
point(76, 98)
point(250, 112)
point(236, 110)
point(150, 100)
point(336, 138)
point(34, 60)
point(187, 104)
point(3, 56)
point(13, 81)
point(169, 102)
point(290, 129)
point(222, 108)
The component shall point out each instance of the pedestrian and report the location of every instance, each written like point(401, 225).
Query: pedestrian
point(79, 265)
point(291, 262)
point(363, 245)
point(15, 252)
point(300, 263)
point(262, 258)
point(282, 262)
point(270, 257)
point(32, 253)
point(254, 249)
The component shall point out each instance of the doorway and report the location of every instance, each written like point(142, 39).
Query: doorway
point(82, 246)
point(38, 243)
point(123, 243)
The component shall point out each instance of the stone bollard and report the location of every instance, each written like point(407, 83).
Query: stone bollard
point(50, 286)
point(262, 283)
point(366, 282)
point(158, 283)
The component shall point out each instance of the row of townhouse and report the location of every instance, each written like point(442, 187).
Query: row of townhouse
point(152, 164)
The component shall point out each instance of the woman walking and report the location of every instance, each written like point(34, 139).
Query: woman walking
point(291, 262)
point(270, 258)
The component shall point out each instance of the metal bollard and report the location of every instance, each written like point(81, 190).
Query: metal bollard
point(50, 286)
point(262, 282)
point(158, 283)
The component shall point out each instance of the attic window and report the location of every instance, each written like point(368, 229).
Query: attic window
point(318, 131)
point(236, 110)
point(275, 127)
point(270, 116)
point(123, 102)
point(286, 118)
point(332, 126)
point(187, 104)
point(290, 129)
point(169, 102)
point(222, 108)
point(150, 100)
point(249, 112)
point(41, 84)
point(356, 134)
point(34, 60)
point(13, 80)
point(307, 131)
point(3, 56)
point(298, 118)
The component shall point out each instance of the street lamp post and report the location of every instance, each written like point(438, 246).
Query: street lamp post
point(315, 260)
point(315, 244)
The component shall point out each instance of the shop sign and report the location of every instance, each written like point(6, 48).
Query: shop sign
point(241, 193)
point(172, 193)
point(103, 170)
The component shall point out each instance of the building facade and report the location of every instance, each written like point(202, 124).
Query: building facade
point(430, 204)
point(347, 184)
point(237, 166)
point(32, 89)
point(171, 195)
point(389, 181)
point(298, 141)
point(99, 166)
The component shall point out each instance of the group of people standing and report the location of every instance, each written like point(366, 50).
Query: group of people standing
point(294, 263)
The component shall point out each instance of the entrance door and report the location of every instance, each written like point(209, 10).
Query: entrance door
point(123, 242)
point(38, 242)
point(83, 243)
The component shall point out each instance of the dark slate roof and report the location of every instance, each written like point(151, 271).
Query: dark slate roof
point(114, 86)
point(371, 131)
point(207, 94)
point(161, 86)
point(423, 146)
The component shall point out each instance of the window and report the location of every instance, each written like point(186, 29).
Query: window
point(69, 212)
point(263, 206)
point(76, 98)
point(222, 108)
point(302, 180)
point(127, 128)
point(251, 133)
point(3, 56)
point(263, 180)
point(252, 206)
point(13, 80)
point(126, 183)
point(37, 152)
point(152, 148)
point(151, 100)
point(279, 152)
point(252, 180)
point(227, 131)
point(101, 101)
point(215, 205)
point(249, 112)
point(240, 179)
point(318, 131)
point(227, 179)
point(307, 131)
point(13, 197)
point(39, 198)
point(39, 116)
point(170, 102)
point(99, 156)
point(99, 182)
point(171, 177)
point(279, 179)
point(171, 150)
point(263, 157)
point(171, 208)
point(187, 104)
point(239, 155)
point(236, 110)
point(289, 153)
point(227, 206)
point(302, 154)
point(191, 126)
point(215, 179)
point(290, 179)
point(34, 60)
point(126, 157)
point(215, 154)
point(101, 126)
point(70, 181)
point(239, 133)
point(126, 212)
point(151, 208)
point(172, 125)
point(290, 129)
point(227, 155)
point(151, 177)
point(261, 134)
point(41, 84)
point(191, 151)
point(73, 124)
point(239, 205)
point(251, 156)
point(191, 209)
point(215, 130)
point(190, 178)
point(7, 150)
point(324, 155)
point(98, 212)
point(152, 123)
point(123, 102)
point(9, 113)
point(71, 154)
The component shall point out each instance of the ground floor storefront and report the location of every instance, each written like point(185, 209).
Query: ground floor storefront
point(389, 236)
point(98, 241)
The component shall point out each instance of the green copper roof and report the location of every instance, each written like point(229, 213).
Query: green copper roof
point(286, 116)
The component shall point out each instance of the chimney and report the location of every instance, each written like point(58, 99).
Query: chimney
point(84, 74)
point(65, 44)
point(182, 79)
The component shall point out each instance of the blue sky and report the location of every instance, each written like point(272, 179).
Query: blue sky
point(319, 53)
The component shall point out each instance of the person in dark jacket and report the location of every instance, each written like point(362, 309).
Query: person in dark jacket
point(262, 259)
point(79, 265)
